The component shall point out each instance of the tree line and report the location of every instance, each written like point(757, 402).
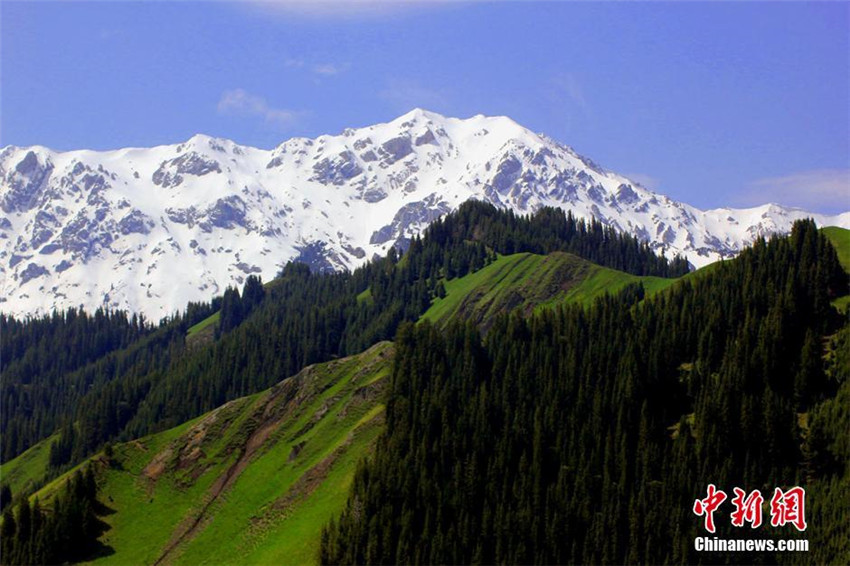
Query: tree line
point(117, 378)
point(65, 531)
point(38, 352)
point(584, 436)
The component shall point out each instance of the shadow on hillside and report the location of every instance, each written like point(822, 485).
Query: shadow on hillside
point(100, 550)
point(103, 510)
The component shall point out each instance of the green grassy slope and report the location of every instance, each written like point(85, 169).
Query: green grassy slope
point(273, 508)
point(840, 239)
point(530, 282)
point(207, 322)
point(27, 471)
point(255, 480)
point(251, 482)
point(206, 327)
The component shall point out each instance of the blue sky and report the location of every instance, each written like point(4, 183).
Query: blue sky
point(714, 104)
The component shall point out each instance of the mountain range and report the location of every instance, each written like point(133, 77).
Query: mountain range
point(150, 229)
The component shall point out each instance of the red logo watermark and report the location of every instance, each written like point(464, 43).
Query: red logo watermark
point(708, 505)
point(788, 507)
point(747, 510)
point(785, 507)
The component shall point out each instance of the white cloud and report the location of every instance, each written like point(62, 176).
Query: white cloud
point(821, 190)
point(326, 69)
point(239, 102)
point(566, 100)
point(349, 9)
point(568, 87)
point(405, 95)
point(319, 69)
point(108, 34)
point(644, 180)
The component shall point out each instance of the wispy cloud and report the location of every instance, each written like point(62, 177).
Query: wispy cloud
point(319, 69)
point(404, 95)
point(239, 102)
point(647, 181)
point(327, 69)
point(107, 34)
point(347, 9)
point(821, 190)
point(567, 86)
point(293, 63)
point(566, 99)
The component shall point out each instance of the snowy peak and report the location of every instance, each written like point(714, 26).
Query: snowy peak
point(149, 229)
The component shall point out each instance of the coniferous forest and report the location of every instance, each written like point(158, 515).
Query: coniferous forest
point(585, 436)
point(576, 435)
point(66, 533)
point(424, 283)
point(101, 377)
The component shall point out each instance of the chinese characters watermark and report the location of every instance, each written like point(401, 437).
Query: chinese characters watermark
point(785, 507)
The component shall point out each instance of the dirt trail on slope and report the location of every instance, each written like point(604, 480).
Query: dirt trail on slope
point(190, 527)
point(285, 400)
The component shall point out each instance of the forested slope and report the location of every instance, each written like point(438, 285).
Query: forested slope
point(251, 482)
point(514, 420)
point(130, 379)
point(584, 436)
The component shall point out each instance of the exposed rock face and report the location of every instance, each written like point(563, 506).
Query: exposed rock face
point(135, 222)
point(507, 174)
point(395, 149)
point(226, 213)
point(337, 170)
point(32, 271)
point(149, 229)
point(171, 172)
point(26, 184)
point(626, 195)
point(426, 138)
point(411, 218)
point(316, 255)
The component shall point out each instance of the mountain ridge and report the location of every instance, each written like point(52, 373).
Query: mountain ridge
point(150, 229)
point(202, 489)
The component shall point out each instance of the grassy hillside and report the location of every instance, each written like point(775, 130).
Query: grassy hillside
point(27, 471)
point(840, 239)
point(206, 323)
point(184, 490)
point(529, 282)
point(253, 481)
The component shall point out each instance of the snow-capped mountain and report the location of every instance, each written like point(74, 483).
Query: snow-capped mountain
point(149, 229)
